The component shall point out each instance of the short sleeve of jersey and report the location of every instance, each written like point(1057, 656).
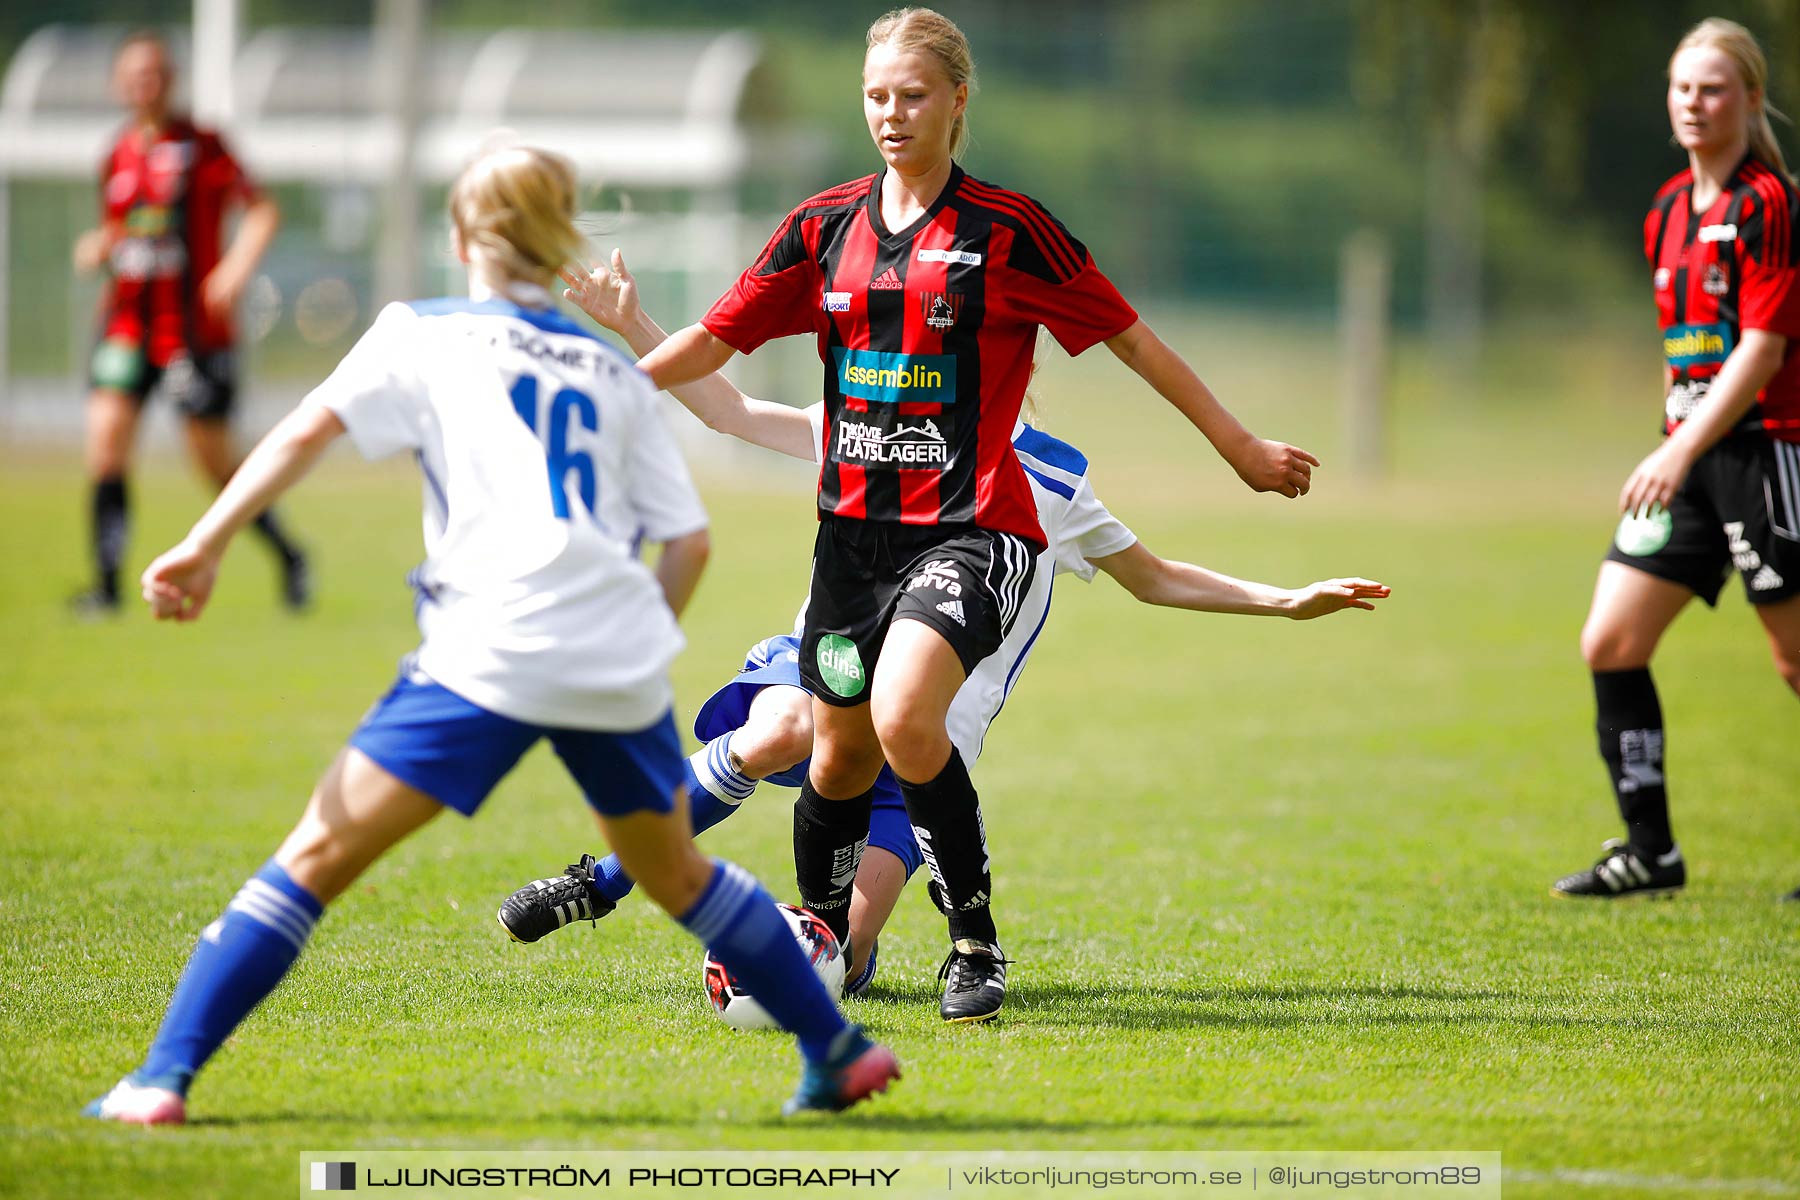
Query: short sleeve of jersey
point(661, 490)
point(224, 175)
point(376, 391)
point(1053, 281)
point(1087, 532)
point(776, 296)
point(1769, 276)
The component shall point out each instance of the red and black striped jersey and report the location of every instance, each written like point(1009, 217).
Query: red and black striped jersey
point(926, 334)
point(166, 198)
point(1733, 267)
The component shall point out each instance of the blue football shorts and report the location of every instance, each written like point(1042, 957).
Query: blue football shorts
point(431, 739)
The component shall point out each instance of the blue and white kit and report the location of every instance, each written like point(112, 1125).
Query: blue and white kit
point(545, 463)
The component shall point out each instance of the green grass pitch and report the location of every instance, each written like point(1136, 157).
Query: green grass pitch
point(1269, 886)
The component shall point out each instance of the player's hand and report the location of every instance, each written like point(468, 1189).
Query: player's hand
point(1276, 467)
point(92, 249)
point(219, 293)
point(607, 294)
point(179, 583)
point(1335, 595)
point(1657, 478)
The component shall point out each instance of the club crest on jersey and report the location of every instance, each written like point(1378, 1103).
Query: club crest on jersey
point(837, 301)
point(1714, 282)
point(940, 308)
point(907, 446)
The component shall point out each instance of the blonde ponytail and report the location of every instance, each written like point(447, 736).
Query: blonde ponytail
point(515, 212)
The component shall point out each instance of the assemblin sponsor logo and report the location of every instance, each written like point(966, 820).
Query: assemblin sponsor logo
point(890, 377)
point(1692, 345)
point(884, 377)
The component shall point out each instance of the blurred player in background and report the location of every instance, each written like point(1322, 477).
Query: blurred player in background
point(544, 462)
point(1723, 489)
point(925, 289)
point(166, 190)
point(759, 725)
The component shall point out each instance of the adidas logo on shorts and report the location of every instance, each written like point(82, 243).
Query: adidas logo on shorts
point(953, 610)
point(1765, 580)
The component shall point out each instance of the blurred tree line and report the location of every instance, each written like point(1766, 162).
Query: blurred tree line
point(1506, 148)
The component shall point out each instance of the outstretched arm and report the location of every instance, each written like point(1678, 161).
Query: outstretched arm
point(609, 295)
point(1170, 584)
point(1266, 466)
point(180, 581)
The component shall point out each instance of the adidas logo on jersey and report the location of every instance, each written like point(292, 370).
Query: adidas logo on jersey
point(1766, 580)
point(953, 610)
point(887, 281)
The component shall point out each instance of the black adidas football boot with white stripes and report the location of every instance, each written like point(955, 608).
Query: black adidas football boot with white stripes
point(546, 905)
point(1621, 872)
point(974, 982)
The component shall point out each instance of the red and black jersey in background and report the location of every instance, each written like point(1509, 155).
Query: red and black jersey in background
point(166, 199)
point(926, 334)
point(1733, 267)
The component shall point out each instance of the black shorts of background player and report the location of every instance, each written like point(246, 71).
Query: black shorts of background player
point(1723, 489)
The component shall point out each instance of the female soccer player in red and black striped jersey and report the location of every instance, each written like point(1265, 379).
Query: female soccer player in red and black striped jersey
point(166, 319)
point(1723, 489)
point(925, 288)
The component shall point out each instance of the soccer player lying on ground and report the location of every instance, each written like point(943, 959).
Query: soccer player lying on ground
point(536, 621)
point(759, 726)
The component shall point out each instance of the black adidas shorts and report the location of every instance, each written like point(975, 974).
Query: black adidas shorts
point(1740, 507)
point(963, 581)
point(203, 386)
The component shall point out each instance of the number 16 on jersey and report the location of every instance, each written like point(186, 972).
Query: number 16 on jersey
point(568, 411)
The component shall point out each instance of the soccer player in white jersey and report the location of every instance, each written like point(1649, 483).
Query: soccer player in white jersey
point(759, 726)
point(544, 462)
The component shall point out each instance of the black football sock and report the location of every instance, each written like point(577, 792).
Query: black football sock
point(829, 839)
point(269, 526)
point(111, 515)
point(1630, 727)
point(946, 819)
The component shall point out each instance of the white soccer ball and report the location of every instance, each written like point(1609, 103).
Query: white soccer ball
point(734, 1003)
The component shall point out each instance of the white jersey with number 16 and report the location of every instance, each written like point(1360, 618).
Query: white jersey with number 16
point(545, 463)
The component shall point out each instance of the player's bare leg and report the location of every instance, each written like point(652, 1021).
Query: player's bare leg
point(356, 813)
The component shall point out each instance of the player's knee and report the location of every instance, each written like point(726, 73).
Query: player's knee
point(774, 742)
point(914, 743)
point(1610, 648)
point(1787, 662)
point(842, 772)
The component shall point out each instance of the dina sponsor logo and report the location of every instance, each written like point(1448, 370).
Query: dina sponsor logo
point(922, 445)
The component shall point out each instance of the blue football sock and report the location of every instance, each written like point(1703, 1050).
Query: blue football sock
point(705, 809)
point(239, 959)
point(738, 921)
